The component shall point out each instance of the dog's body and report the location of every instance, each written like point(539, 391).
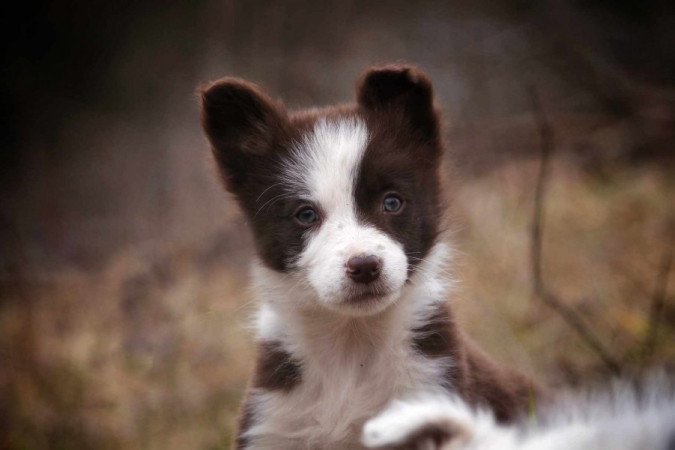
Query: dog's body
point(624, 417)
point(320, 376)
point(345, 207)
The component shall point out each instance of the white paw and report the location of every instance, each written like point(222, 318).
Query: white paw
point(426, 422)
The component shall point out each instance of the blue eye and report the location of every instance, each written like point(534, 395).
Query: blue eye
point(306, 215)
point(392, 203)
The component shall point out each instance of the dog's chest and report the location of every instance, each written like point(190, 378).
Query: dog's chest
point(338, 392)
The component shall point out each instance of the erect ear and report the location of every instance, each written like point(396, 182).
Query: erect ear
point(403, 88)
point(241, 123)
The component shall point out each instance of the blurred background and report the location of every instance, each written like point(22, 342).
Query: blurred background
point(123, 269)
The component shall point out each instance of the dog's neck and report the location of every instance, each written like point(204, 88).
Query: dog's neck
point(288, 315)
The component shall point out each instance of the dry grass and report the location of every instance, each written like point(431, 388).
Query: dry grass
point(153, 350)
point(140, 356)
point(603, 244)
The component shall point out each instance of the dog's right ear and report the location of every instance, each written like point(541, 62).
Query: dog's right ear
point(242, 123)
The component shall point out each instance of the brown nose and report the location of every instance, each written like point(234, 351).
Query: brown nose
point(364, 268)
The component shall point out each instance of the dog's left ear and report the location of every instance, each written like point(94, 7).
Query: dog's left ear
point(400, 88)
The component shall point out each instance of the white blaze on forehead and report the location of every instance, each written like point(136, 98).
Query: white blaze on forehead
point(326, 163)
point(323, 169)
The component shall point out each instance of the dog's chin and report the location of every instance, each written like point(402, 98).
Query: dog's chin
point(365, 303)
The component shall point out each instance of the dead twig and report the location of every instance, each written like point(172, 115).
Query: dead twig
point(658, 302)
point(568, 314)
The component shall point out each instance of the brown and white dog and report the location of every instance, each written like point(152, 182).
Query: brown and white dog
point(345, 206)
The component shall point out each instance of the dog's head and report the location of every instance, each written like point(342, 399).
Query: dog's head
point(346, 199)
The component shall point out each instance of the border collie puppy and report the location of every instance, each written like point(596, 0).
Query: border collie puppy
point(626, 417)
point(345, 208)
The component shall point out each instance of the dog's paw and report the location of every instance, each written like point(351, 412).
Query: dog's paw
point(424, 423)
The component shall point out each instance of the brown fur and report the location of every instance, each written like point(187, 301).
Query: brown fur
point(432, 435)
point(276, 369)
point(246, 419)
point(475, 376)
point(509, 393)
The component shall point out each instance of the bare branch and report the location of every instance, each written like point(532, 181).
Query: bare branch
point(568, 314)
point(658, 302)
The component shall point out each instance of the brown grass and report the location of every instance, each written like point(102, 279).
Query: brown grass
point(153, 350)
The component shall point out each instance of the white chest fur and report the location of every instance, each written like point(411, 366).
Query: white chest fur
point(346, 381)
point(351, 367)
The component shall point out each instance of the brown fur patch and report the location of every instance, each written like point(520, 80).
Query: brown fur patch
point(477, 378)
point(246, 419)
point(508, 393)
point(276, 369)
point(402, 157)
point(436, 338)
point(250, 136)
point(433, 435)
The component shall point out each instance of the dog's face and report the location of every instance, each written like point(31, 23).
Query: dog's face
point(343, 200)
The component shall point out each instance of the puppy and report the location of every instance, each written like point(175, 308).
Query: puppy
point(345, 206)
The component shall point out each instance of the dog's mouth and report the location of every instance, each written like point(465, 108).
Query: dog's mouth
point(365, 297)
point(365, 300)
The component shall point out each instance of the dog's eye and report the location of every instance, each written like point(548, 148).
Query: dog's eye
point(392, 203)
point(306, 215)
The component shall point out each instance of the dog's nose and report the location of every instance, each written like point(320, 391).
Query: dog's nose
point(364, 268)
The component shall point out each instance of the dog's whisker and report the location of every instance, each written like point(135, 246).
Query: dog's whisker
point(267, 189)
point(272, 201)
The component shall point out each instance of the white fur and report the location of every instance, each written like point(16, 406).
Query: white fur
point(323, 169)
point(352, 366)
point(619, 419)
point(402, 418)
